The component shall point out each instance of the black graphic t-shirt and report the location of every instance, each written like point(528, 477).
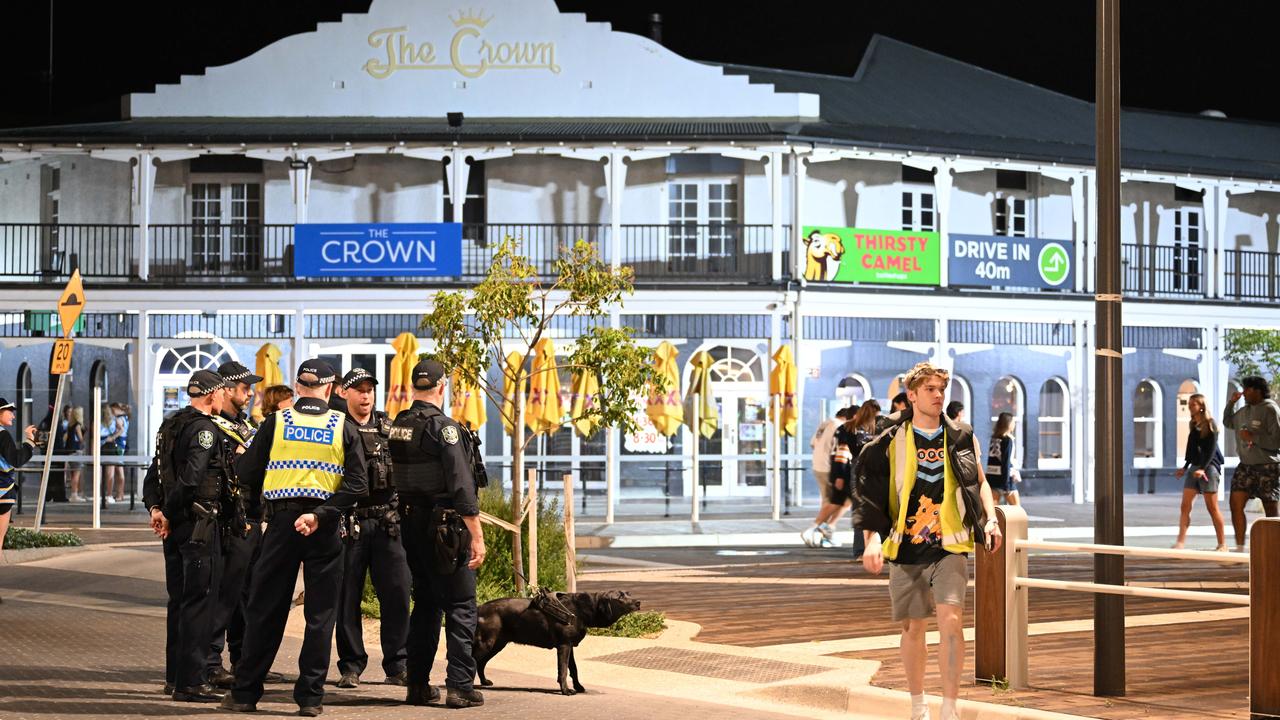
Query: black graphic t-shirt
point(922, 538)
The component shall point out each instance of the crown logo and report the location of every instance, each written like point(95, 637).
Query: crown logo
point(470, 17)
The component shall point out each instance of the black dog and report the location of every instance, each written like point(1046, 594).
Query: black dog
point(551, 620)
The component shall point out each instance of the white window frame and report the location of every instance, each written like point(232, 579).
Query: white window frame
point(966, 394)
point(703, 224)
point(1157, 424)
point(1011, 200)
point(226, 255)
point(912, 202)
point(1186, 254)
point(1019, 424)
point(1064, 462)
point(845, 398)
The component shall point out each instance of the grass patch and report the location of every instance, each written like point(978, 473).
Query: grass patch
point(636, 625)
point(23, 539)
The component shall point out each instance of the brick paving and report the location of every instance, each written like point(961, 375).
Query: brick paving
point(64, 656)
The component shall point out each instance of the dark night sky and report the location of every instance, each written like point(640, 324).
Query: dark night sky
point(1176, 54)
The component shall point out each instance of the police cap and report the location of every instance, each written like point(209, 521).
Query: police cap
point(357, 376)
point(6, 405)
point(204, 382)
point(315, 373)
point(234, 372)
point(426, 374)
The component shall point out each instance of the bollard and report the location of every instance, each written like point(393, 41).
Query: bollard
point(1000, 606)
point(1264, 618)
point(570, 556)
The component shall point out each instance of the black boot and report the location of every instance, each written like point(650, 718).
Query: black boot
point(458, 698)
point(422, 694)
point(197, 693)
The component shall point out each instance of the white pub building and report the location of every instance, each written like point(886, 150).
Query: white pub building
point(922, 208)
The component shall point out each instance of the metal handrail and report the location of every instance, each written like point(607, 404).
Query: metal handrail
point(1159, 553)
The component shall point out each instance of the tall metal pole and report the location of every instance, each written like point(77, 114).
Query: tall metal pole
point(1108, 625)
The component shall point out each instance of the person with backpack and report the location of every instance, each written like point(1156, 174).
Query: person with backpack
point(857, 431)
point(1202, 469)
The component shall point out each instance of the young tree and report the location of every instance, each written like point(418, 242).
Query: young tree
point(1255, 352)
point(469, 328)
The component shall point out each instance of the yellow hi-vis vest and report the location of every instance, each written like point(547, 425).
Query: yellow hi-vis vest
point(956, 538)
point(306, 456)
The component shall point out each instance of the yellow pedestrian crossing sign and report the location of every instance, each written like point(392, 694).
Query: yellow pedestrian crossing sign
point(71, 304)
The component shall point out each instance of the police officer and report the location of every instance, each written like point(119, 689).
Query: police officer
point(12, 456)
point(238, 553)
point(183, 490)
point(431, 467)
point(308, 465)
point(372, 547)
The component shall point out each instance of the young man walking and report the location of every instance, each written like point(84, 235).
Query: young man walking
point(920, 482)
point(1257, 426)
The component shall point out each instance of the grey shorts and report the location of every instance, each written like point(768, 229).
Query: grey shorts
point(916, 590)
point(824, 484)
point(1207, 484)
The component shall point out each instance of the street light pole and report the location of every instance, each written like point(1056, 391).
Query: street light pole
point(1108, 626)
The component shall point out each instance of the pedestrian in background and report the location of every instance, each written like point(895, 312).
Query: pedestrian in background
point(1202, 468)
point(12, 456)
point(955, 411)
point(1000, 461)
point(852, 437)
point(821, 532)
point(276, 398)
point(1257, 427)
point(74, 445)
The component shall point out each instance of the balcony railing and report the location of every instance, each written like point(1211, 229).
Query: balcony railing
point(659, 253)
point(47, 252)
point(1163, 270)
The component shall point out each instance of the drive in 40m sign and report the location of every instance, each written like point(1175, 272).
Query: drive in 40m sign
point(1001, 261)
point(884, 257)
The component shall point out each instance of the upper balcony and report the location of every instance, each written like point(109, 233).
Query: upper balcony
point(661, 255)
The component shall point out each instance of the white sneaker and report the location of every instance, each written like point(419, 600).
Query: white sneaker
point(111, 500)
point(826, 530)
point(922, 715)
point(807, 536)
point(826, 543)
point(76, 498)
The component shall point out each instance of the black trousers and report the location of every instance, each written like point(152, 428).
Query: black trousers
point(237, 557)
point(270, 594)
point(383, 558)
point(192, 575)
point(452, 595)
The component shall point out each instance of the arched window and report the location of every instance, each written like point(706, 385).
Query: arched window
point(897, 385)
point(1146, 424)
point(852, 390)
point(959, 390)
point(98, 378)
point(1054, 425)
point(1008, 396)
point(1229, 446)
point(1183, 417)
point(25, 402)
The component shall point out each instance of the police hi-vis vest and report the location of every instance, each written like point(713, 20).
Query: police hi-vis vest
point(956, 538)
point(306, 456)
point(8, 480)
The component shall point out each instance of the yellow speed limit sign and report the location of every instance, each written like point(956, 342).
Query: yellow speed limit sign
point(61, 362)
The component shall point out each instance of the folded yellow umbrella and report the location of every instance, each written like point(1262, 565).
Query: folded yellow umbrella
point(700, 393)
point(585, 397)
point(543, 413)
point(266, 366)
point(400, 384)
point(782, 382)
point(467, 404)
point(514, 374)
point(664, 407)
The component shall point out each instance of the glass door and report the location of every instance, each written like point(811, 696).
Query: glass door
point(734, 461)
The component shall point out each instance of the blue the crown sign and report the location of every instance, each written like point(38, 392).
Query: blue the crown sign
point(377, 249)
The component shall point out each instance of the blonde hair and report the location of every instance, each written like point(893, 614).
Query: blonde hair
point(1208, 426)
point(917, 375)
point(77, 415)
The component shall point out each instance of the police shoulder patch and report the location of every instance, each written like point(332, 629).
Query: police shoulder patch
point(205, 438)
point(449, 433)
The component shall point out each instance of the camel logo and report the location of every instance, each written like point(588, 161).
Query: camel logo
point(822, 256)
point(471, 54)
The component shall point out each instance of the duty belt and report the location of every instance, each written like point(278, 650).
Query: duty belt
point(304, 505)
point(374, 511)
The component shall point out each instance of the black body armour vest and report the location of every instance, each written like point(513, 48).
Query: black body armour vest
point(413, 471)
point(377, 453)
point(210, 486)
